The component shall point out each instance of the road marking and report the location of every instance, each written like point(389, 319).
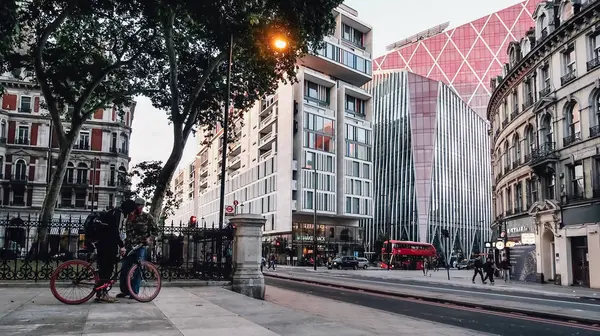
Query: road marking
point(469, 292)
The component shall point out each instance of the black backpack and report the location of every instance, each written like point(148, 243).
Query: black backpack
point(94, 226)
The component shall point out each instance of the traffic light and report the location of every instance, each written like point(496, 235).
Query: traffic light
point(193, 221)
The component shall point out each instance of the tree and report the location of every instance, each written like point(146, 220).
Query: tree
point(144, 175)
point(8, 33)
point(190, 62)
point(83, 53)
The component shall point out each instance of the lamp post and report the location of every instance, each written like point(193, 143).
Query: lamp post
point(314, 170)
point(278, 43)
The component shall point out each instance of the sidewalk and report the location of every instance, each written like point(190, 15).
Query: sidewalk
point(458, 278)
point(200, 311)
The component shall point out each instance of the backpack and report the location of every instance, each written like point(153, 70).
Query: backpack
point(93, 227)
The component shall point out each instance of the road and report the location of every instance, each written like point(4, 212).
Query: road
point(469, 318)
point(481, 292)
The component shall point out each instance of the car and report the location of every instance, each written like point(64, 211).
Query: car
point(466, 264)
point(344, 262)
point(363, 263)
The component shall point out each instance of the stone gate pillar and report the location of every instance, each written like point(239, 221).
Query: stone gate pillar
point(247, 277)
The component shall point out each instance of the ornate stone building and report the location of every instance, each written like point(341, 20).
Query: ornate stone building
point(545, 116)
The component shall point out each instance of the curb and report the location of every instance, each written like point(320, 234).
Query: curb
point(199, 283)
point(551, 316)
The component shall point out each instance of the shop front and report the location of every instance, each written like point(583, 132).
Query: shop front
point(332, 241)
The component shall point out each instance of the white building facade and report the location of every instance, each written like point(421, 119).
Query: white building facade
point(545, 115)
point(321, 122)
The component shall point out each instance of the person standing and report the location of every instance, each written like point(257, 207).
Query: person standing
point(489, 269)
point(106, 247)
point(477, 269)
point(425, 266)
point(140, 227)
point(505, 265)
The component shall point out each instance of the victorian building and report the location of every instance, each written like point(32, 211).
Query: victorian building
point(306, 147)
point(545, 116)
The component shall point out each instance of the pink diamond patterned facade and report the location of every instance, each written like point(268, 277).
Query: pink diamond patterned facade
point(468, 56)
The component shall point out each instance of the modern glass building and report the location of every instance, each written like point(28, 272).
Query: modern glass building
point(431, 164)
point(466, 57)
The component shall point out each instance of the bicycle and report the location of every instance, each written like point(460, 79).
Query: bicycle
point(81, 272)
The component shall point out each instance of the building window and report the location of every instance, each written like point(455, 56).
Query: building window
point(594, 51)
point(358, 134)
point(366, 171)
point(22, 135)
point(25, 106)
point(550, 186)
point(319, 124)
point(111, 201)
point(529, 140)
point(355, 205)
point(19, 197)
point(567, 11)
point(80, 199)
point(596, 179)
point(113, 143)
point(577, 183)
point(546, 132)
point(348, 204)
point(515, 101)
point(70, 173)
point(545, 80)
point(124, 144)
point(21, 171)
point(355, 106)
point(357, 151)
point(518, 198)
point(573, 126)
point(84, 141)
point(111, 179)
point(310, 160)
point(66, 198)
point(319, 142)
point(82, 171)
point(530, 187)
point(569, 64)
point(353, 36)
point(527, 93)
point(316, 92)
point(509, 203)
point(308, 200)
point(595, 114)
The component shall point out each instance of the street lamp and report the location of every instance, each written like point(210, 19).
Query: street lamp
point(279, 43)
point(314, 169)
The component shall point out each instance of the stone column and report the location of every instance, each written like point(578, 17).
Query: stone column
point(247, 277)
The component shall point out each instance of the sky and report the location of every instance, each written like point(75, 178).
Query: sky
point(391, 20)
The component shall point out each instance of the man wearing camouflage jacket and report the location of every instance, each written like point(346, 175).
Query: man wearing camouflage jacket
point(139, 229)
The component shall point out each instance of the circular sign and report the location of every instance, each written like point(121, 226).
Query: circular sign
point(235, 203)
point(500, 245)
point(229, 208)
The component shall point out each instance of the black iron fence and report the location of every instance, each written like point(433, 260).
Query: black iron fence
point(30, 250)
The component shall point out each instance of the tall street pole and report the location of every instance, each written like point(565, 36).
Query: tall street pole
point(224, 148)
point(315, 218)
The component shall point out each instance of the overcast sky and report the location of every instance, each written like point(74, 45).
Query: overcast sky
point(392, 20)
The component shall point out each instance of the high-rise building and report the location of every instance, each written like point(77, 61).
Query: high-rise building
point(320, 123)
point(466, 57)
point(97, 167)
point(432, 165)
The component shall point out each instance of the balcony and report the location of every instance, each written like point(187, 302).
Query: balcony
point(204, 172)
point(266, 155)
point(507, 168)
point(19, 178)
point(542, 157)
point(266, 122)
point(113, 150)
point(505, 122)
point(593, 63)
point(545, 91)
point(236, 163)
point(81, 146)
point(24, 109)
point(76, 183)
point(266, 140)
point(21, 141)
point(203, 184)
point(571, 139)
point(294, 185)
point(516, 163)
point(235, 149)
point(514, 115)
point(594, 131)
point(528, 102)
point(571, 75)
point(575, 196)
point(124, 151)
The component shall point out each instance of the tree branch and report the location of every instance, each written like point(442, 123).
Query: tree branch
point(38, 66)
point(193, 114)
point(173, 82)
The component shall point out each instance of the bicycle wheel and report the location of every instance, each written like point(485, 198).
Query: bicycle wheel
point(73, 282)
point(150, 282)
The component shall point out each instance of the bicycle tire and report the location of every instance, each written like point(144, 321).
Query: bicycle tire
point(55, 276)
point(155, 270)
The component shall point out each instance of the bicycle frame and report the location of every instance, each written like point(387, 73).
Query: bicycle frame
point(116, 274)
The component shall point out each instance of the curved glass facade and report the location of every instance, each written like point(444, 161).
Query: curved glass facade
point(432, 165)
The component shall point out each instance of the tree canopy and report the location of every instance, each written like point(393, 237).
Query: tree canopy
point(189, 62)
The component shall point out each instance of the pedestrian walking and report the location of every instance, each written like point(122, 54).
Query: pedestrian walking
point(489, 268)
point(477, 269)
point(505, 265)
point(425, 267)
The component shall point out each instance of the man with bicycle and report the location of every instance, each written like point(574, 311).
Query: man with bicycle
point(140, 228)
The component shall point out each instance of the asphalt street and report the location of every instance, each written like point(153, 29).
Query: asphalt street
point(482, 292)
point(469, 318)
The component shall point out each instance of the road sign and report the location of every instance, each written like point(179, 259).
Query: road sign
point(229, 209)
point(235, 203)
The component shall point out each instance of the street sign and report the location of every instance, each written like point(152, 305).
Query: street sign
point(229, 209)
point(235, 203)
point(500, 245)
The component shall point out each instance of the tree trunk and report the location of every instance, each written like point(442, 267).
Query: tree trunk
point(165, 176)
point(52, 192)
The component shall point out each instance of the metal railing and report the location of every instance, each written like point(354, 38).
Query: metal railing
point(545, 91)
point(179, 251)
point(571, 75)
point(571, 139)
point(545, 150)
point(593, 63)
point(595, 131)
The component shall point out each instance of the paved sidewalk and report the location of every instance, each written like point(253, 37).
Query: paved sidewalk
point(200, 311)
point(459, 278)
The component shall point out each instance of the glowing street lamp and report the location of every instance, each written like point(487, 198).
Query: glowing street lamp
point(280, 43)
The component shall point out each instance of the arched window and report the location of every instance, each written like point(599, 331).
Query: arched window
point(70, 173)
point(122, 176)
point(595, 113)
point(513, 57)
point(506, 156)
point(543, 25)
point(82, 173)
point(516, 157)
point(21, 170)
point(567, 11)
point(547, 133)
point(530, 142)
point(572, 123)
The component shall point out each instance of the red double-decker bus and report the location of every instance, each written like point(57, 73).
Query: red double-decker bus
point(406, 254)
